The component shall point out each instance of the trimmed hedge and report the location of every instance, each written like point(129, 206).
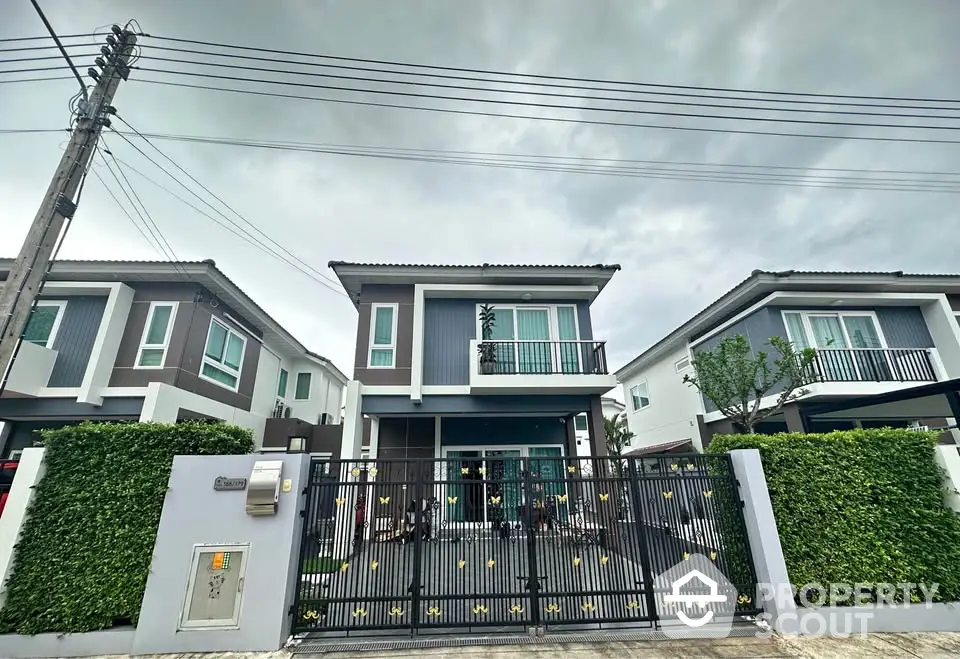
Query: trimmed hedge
point(859, 506)
point(87, 543)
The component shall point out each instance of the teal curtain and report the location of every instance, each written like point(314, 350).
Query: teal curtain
point(567, 329)
point(503, 474)
point(534, 325)
point(383, 327)
point(551, 474)
point(216, 341)
point(796, 330)
point(828, 335)
point(503, 331)
point(40, 325)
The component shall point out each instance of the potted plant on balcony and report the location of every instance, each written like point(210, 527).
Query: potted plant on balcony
point(486, 348)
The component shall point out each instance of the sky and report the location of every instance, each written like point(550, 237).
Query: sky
point(681, 244)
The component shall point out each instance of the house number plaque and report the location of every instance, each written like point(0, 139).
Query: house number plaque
point(223, 483)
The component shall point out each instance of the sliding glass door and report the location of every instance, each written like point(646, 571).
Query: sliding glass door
point(533, 329)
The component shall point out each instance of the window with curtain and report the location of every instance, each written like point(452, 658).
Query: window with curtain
point(580, 422)
point(42, 325)
point(303, 386)
point(383, 330)
point(223, 355)
point(568, 334)
point(282, 383)
point(640, 396)
point(156, 335)
point(535, 349)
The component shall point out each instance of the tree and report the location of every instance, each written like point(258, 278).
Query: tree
point(618, 437)
point(736, 381)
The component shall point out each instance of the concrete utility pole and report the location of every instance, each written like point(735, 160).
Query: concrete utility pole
point(26, 278)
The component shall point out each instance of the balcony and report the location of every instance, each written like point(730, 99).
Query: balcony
point(873, 365)
point(548, 367)
point(31, 369)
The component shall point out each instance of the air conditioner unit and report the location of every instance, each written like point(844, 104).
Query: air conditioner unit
point(281, 410)
point(916, 426)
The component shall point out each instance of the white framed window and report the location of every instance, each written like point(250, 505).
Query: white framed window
point(302, 391)
point(383, 336)
point(282, 383)
point(552, 333)
point(844, 330)
point(44, 322)
point(682, 365)
point(223, 355)
point(640, 396)
point(156, 335)
point(580, 422)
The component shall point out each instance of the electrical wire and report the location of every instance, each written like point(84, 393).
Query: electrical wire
point(235, 229)
point(757, 178)
point(552, 85)
point(46, 36)
point(580, 97)
point(41, 59)
point(570, 120)
point(53, 35)
point(10, 82)
point(538, 76)
point(551, 106)
point(123, 209)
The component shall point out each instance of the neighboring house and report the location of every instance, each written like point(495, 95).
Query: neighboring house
point(875, 333)
point(418, 380)
point(611, 407)
point(157, 341)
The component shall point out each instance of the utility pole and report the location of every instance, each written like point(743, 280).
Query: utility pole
point(33, 262)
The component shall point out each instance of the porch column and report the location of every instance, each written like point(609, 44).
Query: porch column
point(791, 414)
point(598, 438)
point(350, 445)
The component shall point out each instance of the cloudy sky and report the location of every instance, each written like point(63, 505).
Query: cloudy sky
point(681, 243)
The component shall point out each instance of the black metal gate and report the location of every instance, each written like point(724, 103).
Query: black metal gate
point(500, 541)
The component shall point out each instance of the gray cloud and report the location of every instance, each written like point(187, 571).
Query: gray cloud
point(681, 243)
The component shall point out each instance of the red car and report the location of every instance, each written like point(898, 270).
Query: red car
point(7, 469)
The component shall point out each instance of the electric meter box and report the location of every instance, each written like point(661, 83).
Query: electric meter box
point(215, 587)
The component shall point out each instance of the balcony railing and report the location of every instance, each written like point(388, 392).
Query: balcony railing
point(544, 358)
point(873, 365)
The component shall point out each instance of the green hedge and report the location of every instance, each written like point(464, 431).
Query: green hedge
point(859, 506)
point(85, 551)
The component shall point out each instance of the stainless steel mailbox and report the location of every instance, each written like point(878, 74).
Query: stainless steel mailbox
point(263, 489)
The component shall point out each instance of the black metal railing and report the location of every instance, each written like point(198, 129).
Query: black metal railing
point(543, 358)
point(508, 542)
point(872, 365)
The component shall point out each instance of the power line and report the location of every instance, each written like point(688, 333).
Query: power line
point(578, 165)
point(552, 85)
point(552, 106)
point(542, 76)
point(86, 35)
point(608, 162)
point(307, 270)
point(42, 59)
point(126, 212)
point(10, 82)
point(594, 122)
point(530, 92)
point(53, 35)
point(280, 247)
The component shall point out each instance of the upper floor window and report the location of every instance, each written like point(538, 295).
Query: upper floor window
point(640, 396)
point(580, 422)
point(156, 335)
point(223, 355)
point(536, 338)
point(44, 323)
point(383, 336)
point(303, 386)
point(834, 331)
point(282, 384)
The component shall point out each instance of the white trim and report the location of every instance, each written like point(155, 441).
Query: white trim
point(166, 334)
point(220, 365)
point(296, 385)
point(446, 389)
point(437, 434)
point(61, 306)
point(416, 353)
point(385, 390)
point(800, 299)
point(392, 346)
point(106, 345)
point(58, 392)
point(123, 392)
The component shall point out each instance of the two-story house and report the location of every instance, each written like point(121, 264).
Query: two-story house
point(875, 334)
point(427, 393)
point(157, 341)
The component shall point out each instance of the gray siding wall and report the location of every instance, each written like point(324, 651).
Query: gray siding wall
point(903, 328)
point(450, 324)
point(75, 337)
